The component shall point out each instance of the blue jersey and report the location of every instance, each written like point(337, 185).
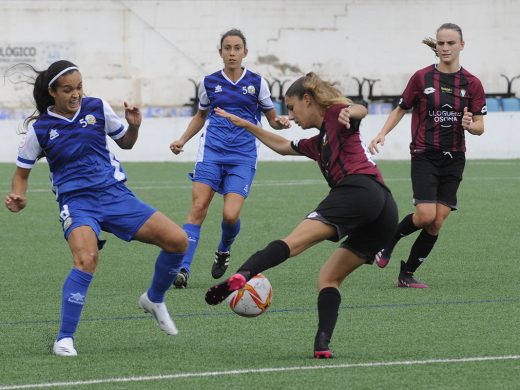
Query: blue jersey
point(76, 149)
point(222, 142)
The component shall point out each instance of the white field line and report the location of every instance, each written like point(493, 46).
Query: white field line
point(258, 371)
point(267, 183)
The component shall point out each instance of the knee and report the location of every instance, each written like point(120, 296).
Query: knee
point(230, 218)
point(199, 210)
point(423, 220)
point(177, 244)
point(435, 227)
point(86, 261)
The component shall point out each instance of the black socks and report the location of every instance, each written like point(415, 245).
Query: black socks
point(329, 300)
point(421, 248)
point(405, 228)
point(273, 254)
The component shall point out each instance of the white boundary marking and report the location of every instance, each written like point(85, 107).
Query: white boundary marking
point(259, 371)
point(267, 183)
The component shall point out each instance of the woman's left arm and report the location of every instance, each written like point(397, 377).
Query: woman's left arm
point(277, 122)
point(357, 111)
point(353, 111)
point(134, 118)
point(473, 124)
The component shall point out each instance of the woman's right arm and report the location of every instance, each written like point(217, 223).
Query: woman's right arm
point(16, 200)
point(393, 119)
point(274, 141)
point(195, 125)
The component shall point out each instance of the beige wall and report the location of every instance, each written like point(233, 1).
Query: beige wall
point(145, 51)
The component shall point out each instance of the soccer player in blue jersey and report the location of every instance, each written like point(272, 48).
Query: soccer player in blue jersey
point(447, 101)
point(70, 130)
point(226, 161)
point(359, 208)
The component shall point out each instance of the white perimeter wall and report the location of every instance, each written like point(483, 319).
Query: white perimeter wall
point(500, 141)
point(145, 51)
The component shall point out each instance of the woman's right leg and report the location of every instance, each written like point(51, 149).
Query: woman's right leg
point(201, 195)
point(424, 185)
point(308, 233)
point(83, 245)
point(423, 216)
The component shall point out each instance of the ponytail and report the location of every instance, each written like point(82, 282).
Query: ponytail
point(42, 81)
point(323, 92)
point(432, 44)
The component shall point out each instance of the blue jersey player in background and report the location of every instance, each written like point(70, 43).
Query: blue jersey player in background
point(226, 161)
point(70, 131)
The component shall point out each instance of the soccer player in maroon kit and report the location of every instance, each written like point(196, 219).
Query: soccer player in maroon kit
point(359, 206)
point(447, 100)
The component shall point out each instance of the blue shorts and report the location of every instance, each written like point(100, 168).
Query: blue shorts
point(224, 178)
point(113, 209)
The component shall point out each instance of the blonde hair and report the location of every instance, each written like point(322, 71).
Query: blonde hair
point(323, 92)
point(432, 43)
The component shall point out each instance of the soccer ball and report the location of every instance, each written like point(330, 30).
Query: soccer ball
point(253, 299)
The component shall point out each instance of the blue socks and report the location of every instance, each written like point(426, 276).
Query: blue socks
point(77, 283)
point(72, 301)
point(229, 233)
point(193, 232)
point(166, 269)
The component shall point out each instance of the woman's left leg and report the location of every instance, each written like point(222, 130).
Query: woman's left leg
point(339, 265)
point(427, 238)
point(236, 184)
point(230, 228)
point(163, 232)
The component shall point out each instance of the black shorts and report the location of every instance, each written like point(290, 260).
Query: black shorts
point(362, 209)
point(436, 177)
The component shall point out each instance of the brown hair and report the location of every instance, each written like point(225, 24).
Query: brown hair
point(41, 81)
point(323, 92)
point(432, 43)
point(234, 32)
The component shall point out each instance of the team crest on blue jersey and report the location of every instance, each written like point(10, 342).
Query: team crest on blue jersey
point(251, 89)
point(91, 119)
point(66, 223)
point(53, 134)
point(218, 88)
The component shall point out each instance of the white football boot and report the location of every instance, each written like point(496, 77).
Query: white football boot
point(160, 313)
point(64, 347)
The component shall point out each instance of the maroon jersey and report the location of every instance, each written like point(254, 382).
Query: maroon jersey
point(337, 150)
point(438, 100)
